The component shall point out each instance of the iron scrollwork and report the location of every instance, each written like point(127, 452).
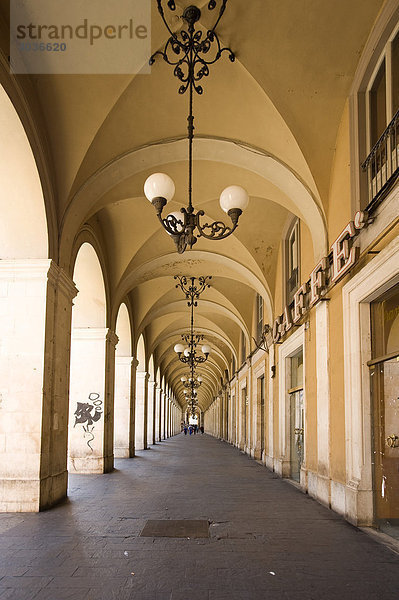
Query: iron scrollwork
point(189, 51)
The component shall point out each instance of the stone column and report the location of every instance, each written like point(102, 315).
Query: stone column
point(111, 342)
point(323, 403)
point(161, 412)
point(141, 410)
point(164, 414)
point(158, 392)
point(222, 412)
point(132, 412)
point(123, 384)
point(151, 413)
point(91, 400)
point(167, 410)
point(35, 320)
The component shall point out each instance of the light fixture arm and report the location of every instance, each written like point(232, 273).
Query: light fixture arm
point(264, 342)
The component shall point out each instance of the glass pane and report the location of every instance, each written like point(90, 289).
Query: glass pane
point(297, 434)
point(395, 74)
point(297, 370)
point(385, 401)
point(385, 324)
point(378, 111)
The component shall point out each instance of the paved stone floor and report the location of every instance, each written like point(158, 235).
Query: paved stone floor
point(267, 539)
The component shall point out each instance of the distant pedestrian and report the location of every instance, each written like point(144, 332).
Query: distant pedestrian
point(202, 429)
point(185, 430)
point(190, 429)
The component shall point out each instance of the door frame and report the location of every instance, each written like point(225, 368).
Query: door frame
point(286, 350)
point(380, 274)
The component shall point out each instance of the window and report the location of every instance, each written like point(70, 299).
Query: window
point(259, 317)
point(378, 105)
point(292, 262)
point(243, 348)
point(383, 92)
point(382, 123)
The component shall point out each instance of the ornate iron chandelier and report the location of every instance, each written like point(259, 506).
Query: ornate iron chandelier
point(191, 382)
point(191, 385)
point(188, 353)
point(192, 289)
point(191, 53)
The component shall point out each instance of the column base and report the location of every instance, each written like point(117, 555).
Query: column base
point(269, 462)
point(318, 487)
point(87, 465)
point(282, 467)
point(122, 452)
point(33, 495)
point(358, 505)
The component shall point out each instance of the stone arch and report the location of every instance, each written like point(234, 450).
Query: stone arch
point(123, 381)
point(296, 195)
point(141, 399)
point(31, 476)
point(23, 224)
point(87, 434)
point(151, 406)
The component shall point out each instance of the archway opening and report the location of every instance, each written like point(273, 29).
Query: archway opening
point(141, 400)
point(24, 306)
point(87, 443)
point(123, 379)
point(151, 403)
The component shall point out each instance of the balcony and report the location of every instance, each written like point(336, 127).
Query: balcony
point(381, 164)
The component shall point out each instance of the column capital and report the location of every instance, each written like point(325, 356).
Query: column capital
point(142, 374)
point(135, 362)
point(60, 279)
point(124, 360)
point(38, 269)
point(111, 337)
point(94, 333)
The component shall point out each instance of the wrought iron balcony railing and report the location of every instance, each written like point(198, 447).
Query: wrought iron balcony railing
point(382, 163)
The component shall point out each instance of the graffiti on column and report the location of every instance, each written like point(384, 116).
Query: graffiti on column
point(85, 416)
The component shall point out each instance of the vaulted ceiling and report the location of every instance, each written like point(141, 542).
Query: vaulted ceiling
point(268, 122)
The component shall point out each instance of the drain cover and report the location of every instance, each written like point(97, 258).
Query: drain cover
point(176, 529)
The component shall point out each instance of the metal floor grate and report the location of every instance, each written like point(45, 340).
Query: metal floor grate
point(176, 529)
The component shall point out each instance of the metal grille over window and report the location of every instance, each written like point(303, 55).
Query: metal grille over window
point(381, 165)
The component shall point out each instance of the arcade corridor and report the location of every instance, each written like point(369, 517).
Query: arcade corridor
point(266, 538)
point(211, 241)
